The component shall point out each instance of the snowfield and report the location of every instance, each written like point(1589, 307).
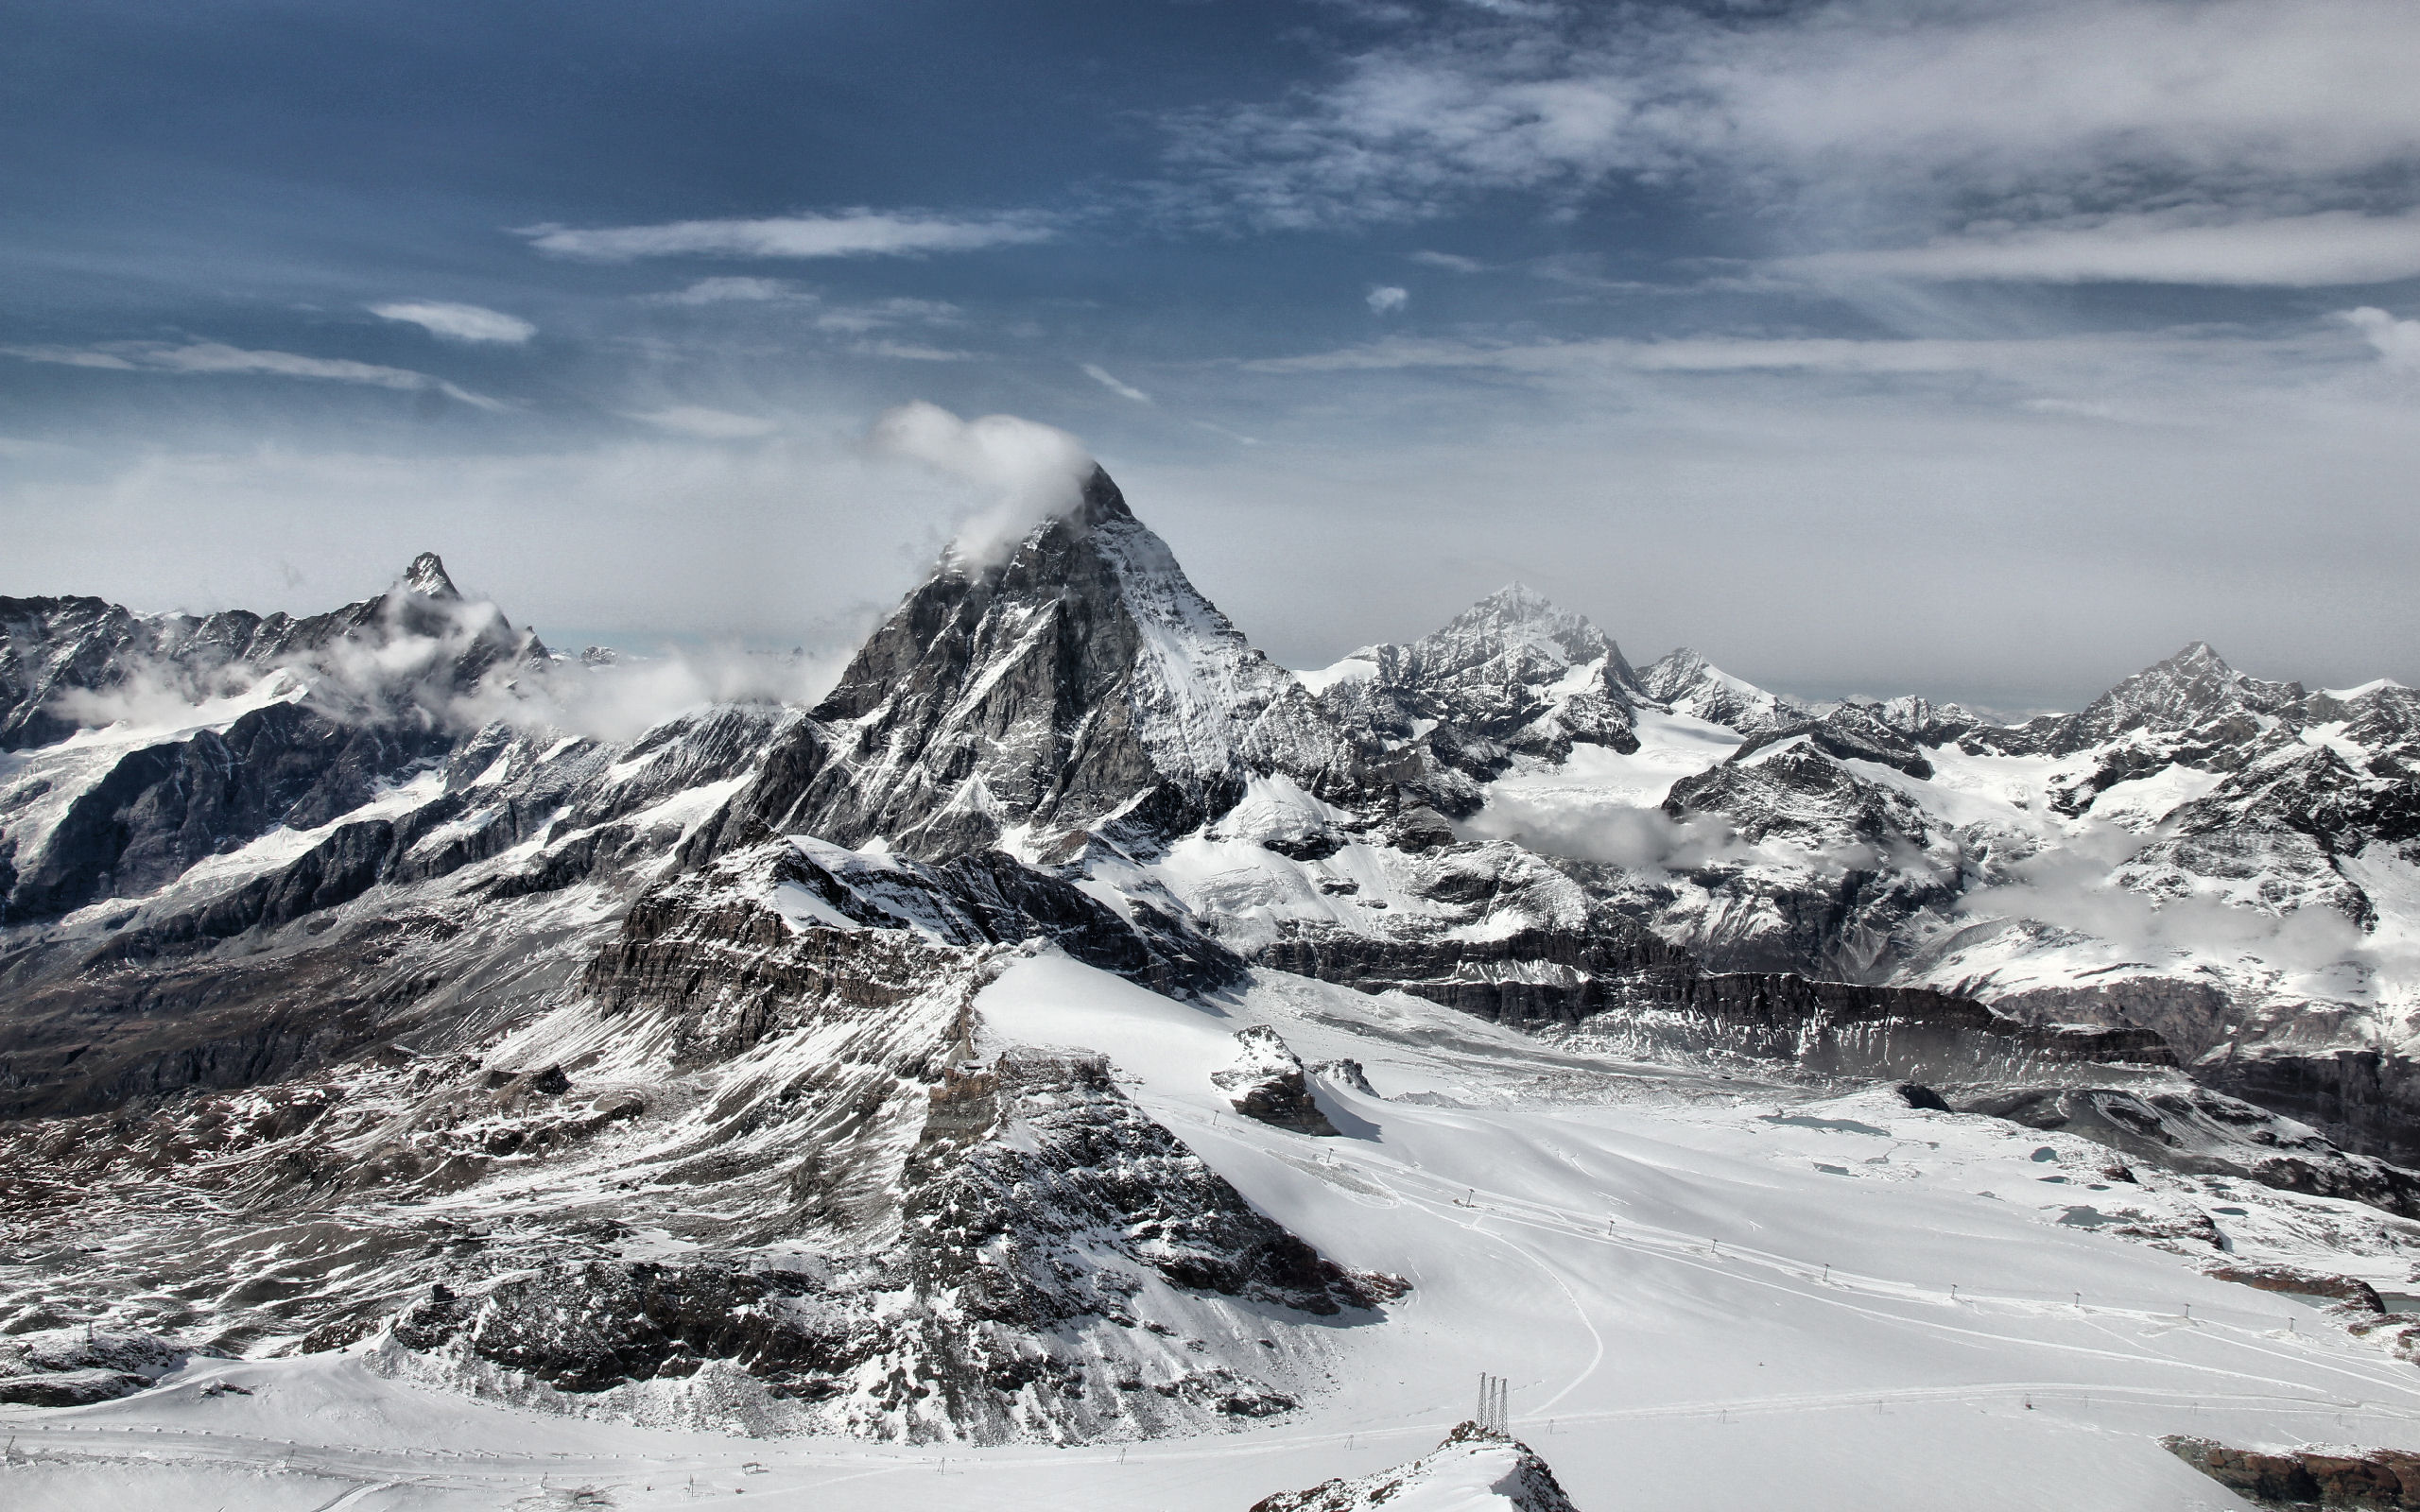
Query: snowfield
point(1707, 1292)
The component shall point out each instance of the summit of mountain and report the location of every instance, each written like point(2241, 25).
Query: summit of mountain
point(1080, 682)
point(2194, 693)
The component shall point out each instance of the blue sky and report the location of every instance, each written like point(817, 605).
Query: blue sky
point(1988, 351)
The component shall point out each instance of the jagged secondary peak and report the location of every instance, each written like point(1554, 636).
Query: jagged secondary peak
point(1511, 674)
point(427, 576)
point(1082, 678)
point(2185, 691)
point(1687, 683)
point(1519, 620)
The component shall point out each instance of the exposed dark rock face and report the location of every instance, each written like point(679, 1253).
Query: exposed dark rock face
point(2196, 1130)
point(2365, 1100)
point(1267, 1082)
point(1849, 732)
point(992, 898)
point(1830, 1028)
point(1098, 1167)
point(2300, 1478)
point(375, 685)
point(2344, 1291)
point(1535, 975)
point(162, 809)
point(2192, 1016)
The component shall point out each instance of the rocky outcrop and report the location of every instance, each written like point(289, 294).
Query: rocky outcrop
point(2199, 1131)
point(2378, 1479)
point(1042, 1221)
point(1473, 1468)
point(1615, 975)
point(76, 1366)
point(2348, 1292)
point(1267, 1082)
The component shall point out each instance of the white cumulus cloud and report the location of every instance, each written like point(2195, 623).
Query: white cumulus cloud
point(1387, 300)
point(2397, 341)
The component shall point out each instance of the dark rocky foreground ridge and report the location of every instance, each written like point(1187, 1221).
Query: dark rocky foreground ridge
point(356, 935)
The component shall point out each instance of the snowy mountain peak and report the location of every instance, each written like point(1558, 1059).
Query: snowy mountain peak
point(2188, 689)
point(1513, 674)
point(427, 576)
point(1687, 683)
point(1529, 623)
point(1082, 678)
point(1514, 603)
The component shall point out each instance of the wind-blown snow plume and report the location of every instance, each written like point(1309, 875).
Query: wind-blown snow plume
point(1031, 471)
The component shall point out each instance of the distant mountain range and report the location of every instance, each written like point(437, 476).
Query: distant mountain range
point(324, 923)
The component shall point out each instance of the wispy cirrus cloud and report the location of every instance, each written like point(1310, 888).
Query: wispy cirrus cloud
point(846, 233)
point(2338, 246)
point(878, 314)
point(218, 358)
point(1114, 384)
point(735, 291)
point(705, 423)
point(458, 322)
point(2274, 136)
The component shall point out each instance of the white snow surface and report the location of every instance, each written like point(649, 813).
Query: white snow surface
point(1706, 1292)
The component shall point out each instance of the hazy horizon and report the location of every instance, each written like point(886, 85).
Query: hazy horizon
point(1986, 351)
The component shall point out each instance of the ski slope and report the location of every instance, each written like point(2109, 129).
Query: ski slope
point(1707, 1292)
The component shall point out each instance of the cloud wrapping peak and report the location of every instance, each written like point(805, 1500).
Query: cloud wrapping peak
point(848, 234)
point(1026, 471)
point(459, 322)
